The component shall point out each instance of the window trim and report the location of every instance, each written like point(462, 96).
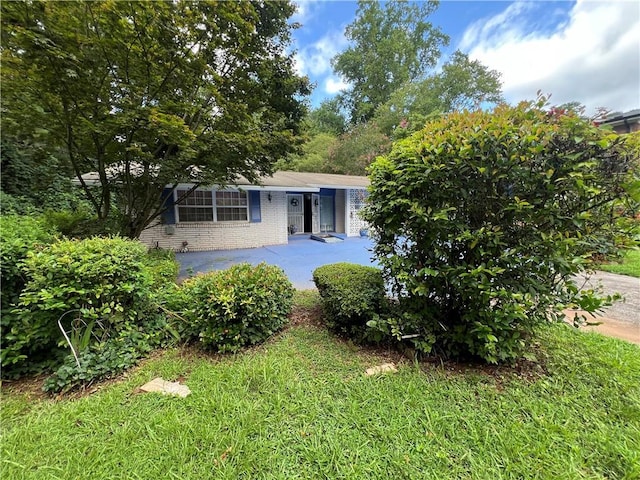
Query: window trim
point(214, 206)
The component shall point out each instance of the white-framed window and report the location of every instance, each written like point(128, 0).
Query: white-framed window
point(232, 206)
point(212, 206)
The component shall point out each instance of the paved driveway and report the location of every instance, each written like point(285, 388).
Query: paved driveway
point(298, 259)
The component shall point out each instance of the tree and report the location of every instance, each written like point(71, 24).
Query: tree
point(314, 156)
point(483, 220)
point(356, 149)
point(462, 84)
point(148, 94)
point(327, 118)
point(392, 44)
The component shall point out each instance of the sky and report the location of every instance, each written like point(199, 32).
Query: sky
point(586, 51)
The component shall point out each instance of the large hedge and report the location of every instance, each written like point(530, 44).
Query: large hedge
point(19, 235)
point(482, 220)
point(104, 281)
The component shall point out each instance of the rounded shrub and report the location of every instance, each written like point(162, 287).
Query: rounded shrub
point(352, 295)
point(483, 219)
point(230, 309)
point(104, 281)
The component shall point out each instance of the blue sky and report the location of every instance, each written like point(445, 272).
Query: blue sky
point(585, 50)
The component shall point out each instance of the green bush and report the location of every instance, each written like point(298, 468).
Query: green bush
point(352, 295)
point(19, 235)
point(102, 280)
point(482, 220)
point(243, 305)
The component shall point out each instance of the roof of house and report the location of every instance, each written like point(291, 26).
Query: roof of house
point(303, 181)
point(284, 180)
point(619, 118)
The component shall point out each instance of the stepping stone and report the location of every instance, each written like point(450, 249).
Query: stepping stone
point(384, 368)
point(166, 388)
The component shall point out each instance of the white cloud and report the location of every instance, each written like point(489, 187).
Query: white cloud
point(315, 58)
point(304, 10)
point(593, 57)
point(333, 85)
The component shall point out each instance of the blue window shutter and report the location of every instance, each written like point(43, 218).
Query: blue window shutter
point(169, 215)
point(254, 206)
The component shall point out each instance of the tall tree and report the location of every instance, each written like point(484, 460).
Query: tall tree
point(147, 94)
point(392, 44)
point(327, 118)
point(462, 84)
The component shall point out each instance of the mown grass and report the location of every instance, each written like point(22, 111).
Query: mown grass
point(629, 264)
point(301, 407)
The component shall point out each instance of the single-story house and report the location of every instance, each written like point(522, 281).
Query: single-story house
point(248, 215)
point(626, 122)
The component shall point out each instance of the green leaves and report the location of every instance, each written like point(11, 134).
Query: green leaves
point(392, 43)
point(230, 309)
point(483, 217)
point(352, 295)
point(152, 91)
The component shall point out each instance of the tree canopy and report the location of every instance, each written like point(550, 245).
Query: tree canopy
point(147, 94)
point(392, 44)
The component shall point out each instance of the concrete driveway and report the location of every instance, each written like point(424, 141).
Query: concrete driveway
point(622, 319)
point(298, 259)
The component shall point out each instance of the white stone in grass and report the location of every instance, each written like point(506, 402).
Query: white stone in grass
point(166, 388)
point(384, 368)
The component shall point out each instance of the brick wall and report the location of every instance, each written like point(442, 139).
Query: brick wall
point(272, 230)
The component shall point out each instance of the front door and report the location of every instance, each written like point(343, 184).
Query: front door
point(295, 213)
point(315, 213)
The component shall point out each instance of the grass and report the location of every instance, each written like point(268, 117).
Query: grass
point(629, 264)
point(300, 407)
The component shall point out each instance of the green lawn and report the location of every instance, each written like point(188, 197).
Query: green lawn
point(628, 265)
point(301, 407)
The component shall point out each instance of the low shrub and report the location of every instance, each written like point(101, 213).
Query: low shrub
point(352, 295)
point(110, 357)
point(229, 309)
point(104, 279)
point(163, 267)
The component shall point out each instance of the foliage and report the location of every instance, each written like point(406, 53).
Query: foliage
point(230, 309)
point(112, 356)
point(351, 294)
point(19, 235)
point(482, 220)
point(392, 43)
point(162, 266)
point(314, 156)
point(35, 178)
point(101, 281)
point(463, 84)
point(302, 408)
point(355, 150)
point(150, 94)
point(327, 118)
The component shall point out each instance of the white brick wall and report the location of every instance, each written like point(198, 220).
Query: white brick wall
point(272, 230)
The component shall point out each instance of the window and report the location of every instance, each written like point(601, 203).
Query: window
point(231, 206)
point(195, 207)
point(198, 206)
